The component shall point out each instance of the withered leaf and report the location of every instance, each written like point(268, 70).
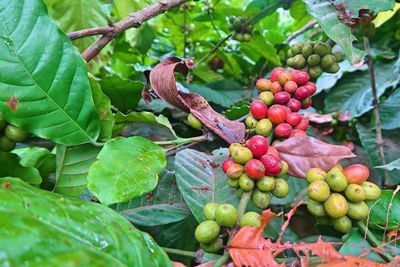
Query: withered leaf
point(305, 152)
point(163, 83)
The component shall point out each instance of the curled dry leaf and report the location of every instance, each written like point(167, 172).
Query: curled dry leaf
point(163, 83)
point(325, 118)
point(305, 152)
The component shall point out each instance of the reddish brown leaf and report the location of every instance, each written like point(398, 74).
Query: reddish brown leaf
point(305, 152)
point(289, 216)
point(163, 83)
point(317, 118)
point(178, 264)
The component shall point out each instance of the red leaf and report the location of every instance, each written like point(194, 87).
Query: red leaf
point(162, 80)
point(317, 118)
point(305, 152)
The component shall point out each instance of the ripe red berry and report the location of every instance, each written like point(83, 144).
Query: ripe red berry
point(297, 132)
point(263, 84)
point(300, 77)
point(227, 163)
point(272, 164)
point(258, 145)
point(189, 62)
point(276, 87)
point(294, 118)
point(302, 92)
point(254, 169)
point(277, 114)
point(272, 150)
point(303, 125)
point(258, 109)
point(284, 77)
point(312, 87)
point(290, 87)
point(283, 130)
point(294, 105)
point(275, 73)
point(281, 98)
point(306, 103)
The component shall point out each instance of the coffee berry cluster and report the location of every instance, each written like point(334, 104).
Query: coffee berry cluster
point(315, 57)
point(243, 30)
point(256, 167)
point(220, 216)
point(10, 135)
point(340, 195)
point(277, 106)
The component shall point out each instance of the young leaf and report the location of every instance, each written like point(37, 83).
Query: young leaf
point(51, 230)
point(11, 166)
point(162, 206)
point(37, 157)
point(43, 80)
point(162, 80)
point(306, 152)
point(73, 164)
point(126, 168)
point(201, 180)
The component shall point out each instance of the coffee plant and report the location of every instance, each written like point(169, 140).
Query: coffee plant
point(199, 133)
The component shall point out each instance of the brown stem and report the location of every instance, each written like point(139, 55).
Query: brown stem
point(212, 51)
point(134, 20)
point(375, 102)
point(306, 27)
point(89, 32)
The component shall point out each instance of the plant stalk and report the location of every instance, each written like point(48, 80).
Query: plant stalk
point(174, 251)
point(375, 102)
point(373, 241)
point(182, 141)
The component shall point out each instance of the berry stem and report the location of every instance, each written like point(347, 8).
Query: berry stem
point(375, 102)
point(373, 241)
point(174, 251)
point(182, 141)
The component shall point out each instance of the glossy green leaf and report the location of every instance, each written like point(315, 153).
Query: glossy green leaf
point(261, 46)
point(73, 165)
point(140, 119)
point(374, 5)
point(103, 105)
point(50, 230)
point(126, 168)
point(145, 38)
point(325, 13)
point(263, 8)
point(353, 92)
point(381, 212)
point(237, 110)
point(394, 165)
point(162, 206)
point(390, 112)
point(76, 15)
point(392, 149)
point(39, 158)
point(298, 11)
point(123, 93)
point(45, 78)
point(11, 166)
point(201, 180)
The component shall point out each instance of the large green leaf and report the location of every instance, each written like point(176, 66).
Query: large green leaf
point(145, 38)
point(126, 168)
point(73, 165)
point(39, 228)
point(123, 93)
point(10, 166)
point(390, 112)
point(103, 105)
point(263, 8)
point(201, 180)
point(394, 165)
point(39, 158)
point(325, 13)
point(374, 5)
point(379, 211)
point(76, 15)
point(162, 206)
point(44, 76)
point(353, 92)
point(141, 119)
point(391, 149)
point(264, 48)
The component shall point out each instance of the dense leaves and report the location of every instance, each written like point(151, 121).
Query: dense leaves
point(11, 166)
point(383, 215)
point(51, 97)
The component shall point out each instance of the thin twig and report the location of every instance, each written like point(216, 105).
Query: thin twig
point(305, 28)
point(212, 51)
point(89, 32)
point(133, 20)
point(213, 24)
point(185, 31)
point(375, 102)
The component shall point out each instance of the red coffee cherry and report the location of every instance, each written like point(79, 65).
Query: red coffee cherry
point(306, 103)
point(272, 150)
point(254, 169)
point(284, 77)
point(303, 125)
point(302, 92)
point(294, 118)
point(311, 86)
point(276, 87)
point(277, 114)
point(294, 105)
point(283, 130)
point(272, 164)
point(290, 87)
point(297, 132)
point(258, 145)
point(263, 85)
point(227, 163)
point(258, 109)
point(300, 77)
point(281, 98)
point(275, 73)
